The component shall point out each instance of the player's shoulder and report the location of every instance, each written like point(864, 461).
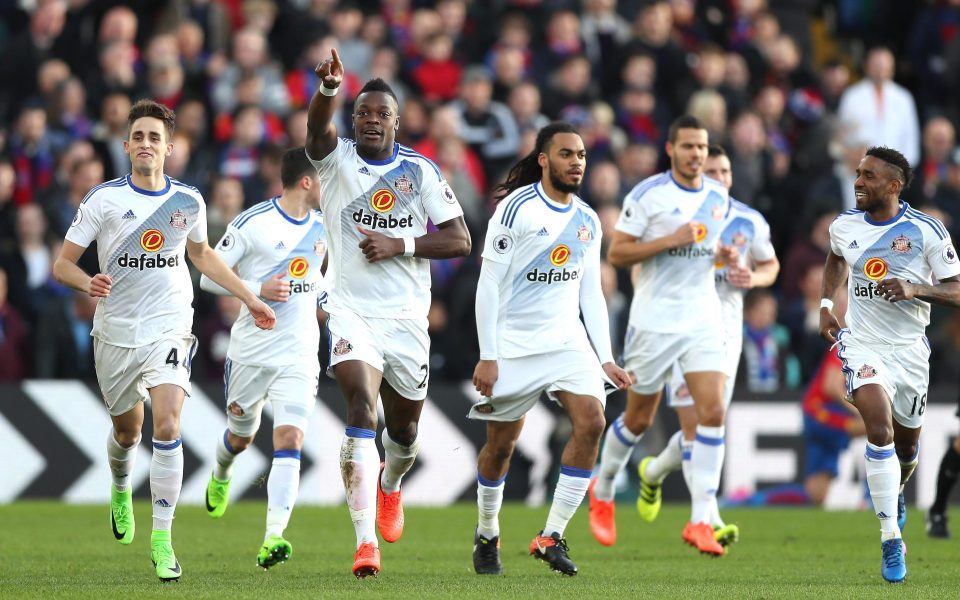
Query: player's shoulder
point(649, 187)
point(179, 186)
point(930, 225)
point(257, 210)
point(106, 187)
point(740, 209)
point(428, 166)
point(512, 205)
point(581, 205)
point(848, 217)
point(712, 185)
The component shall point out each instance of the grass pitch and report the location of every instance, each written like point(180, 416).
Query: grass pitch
point(51, 550)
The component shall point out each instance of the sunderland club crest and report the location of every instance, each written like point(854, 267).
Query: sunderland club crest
point(901, 244)
point(583, 234)
point(342, 347)
point(178, 220)
point(403, 184)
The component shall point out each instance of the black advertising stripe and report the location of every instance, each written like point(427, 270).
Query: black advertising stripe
point(65, 461)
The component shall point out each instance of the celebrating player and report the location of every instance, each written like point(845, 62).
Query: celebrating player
point(542, 249)
point(890, 252)
point(670, 225)
point(142, 341)
point(277, 247)
point(376, 196)
point(747, 231)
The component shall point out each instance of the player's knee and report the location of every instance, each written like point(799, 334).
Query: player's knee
point(361, 413)
point(239, 444)
point(501, 452)
point(292, 439)
point(880, 434)
point(166, 427)
point(712, 415)
point(405, 435)
point(591, 426)
point(906, 452)
point(637, 422)
point(126, 437)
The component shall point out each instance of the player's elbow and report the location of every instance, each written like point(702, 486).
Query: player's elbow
point(463, 245)
point(58, 271)
point(616, 258)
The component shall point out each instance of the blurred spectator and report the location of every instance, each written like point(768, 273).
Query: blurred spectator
point(437, 74)
point(119, 24)
point(110, 132)
point(710, 108)
point(345, 25)
point(85, 174)
point(834, 79)
point(801, 316)
point(416, 120)
point(116, 73)
point(603, 185)
point(882, 111)
point(604, 32)
point(26, 51)
point(749, 158)
point(768, 364)
point(939, 138)
point(8, 178)
point(214, 336)
point(250, 57)
point(486, 125)
point(27, 261)
point(165, 81)
point(211, 17)
point(445, 125)
point(224, 203)
point(642, 117)
point(637, 162)
point(653, 28)
point(509, 71)
point(33, 149)
point(809, 250)
point(296, 128)
point(240, 154)
point(947, 196)
point(14, 343)
point(570, 91)
point(601, 136)
point(194, 58)
point(67, 112)
point(562, 41)
point(385, 64)
point(834, 191)
point(524, 103)
point(50, 75)
point(63, 347)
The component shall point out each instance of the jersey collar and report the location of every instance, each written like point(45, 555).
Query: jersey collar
point(165, 189)
point(276, 204)
point(903, 208)
point(555, 206)
point(386, 161)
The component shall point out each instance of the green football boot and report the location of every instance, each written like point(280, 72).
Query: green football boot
point(275, 550)
point(161, 553)
point(218, 496)
point(651, 496)
point(121, 515)
point(726, 535)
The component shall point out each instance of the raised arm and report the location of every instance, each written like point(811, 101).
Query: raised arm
point(321, 132)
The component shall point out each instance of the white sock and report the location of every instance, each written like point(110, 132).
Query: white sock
point(489, 500)
point(359, 466)
point(166, 479)
point(282, 487)
point(668, 461)
point(686, 451)
point(397, 460)
point(223, 469)
point(618, 445)
point(121, 461)
point(706, 462)
point(713, 513)
point(571, 487)
point(883, 479)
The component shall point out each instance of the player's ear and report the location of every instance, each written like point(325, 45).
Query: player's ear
point(542, 160)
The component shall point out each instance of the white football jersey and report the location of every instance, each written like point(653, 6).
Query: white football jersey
point(911, 246)
point(748, 231)
point(141, 237)
point(394, 197)
point(548, 246)
point(262, 242)
point(675, 291)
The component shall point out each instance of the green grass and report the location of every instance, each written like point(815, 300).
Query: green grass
point(49, 550)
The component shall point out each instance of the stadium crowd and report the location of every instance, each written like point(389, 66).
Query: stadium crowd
point(795, 90)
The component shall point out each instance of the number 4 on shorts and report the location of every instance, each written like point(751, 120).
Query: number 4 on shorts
point(172, 358)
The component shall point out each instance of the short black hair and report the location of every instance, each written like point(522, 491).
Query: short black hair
point(683, 122)
point(378, 85)
point(715, 150)
point(899, 164)
point(295, 165)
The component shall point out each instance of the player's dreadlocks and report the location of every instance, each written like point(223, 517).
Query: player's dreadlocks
point(528, 170)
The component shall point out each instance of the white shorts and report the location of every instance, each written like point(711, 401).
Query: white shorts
point(522, 380)
point(902, 371)
point(290, 389)
point(679, 395)
point(398, 348)
point(650, 356)
point(125, 374)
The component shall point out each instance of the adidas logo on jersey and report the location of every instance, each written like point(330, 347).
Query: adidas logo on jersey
point(677, 211)
point(853, 245)
point(129, 215)
point(363, 171)
point(280, 246)
point(543, 231)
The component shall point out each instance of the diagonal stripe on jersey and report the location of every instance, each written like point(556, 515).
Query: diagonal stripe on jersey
point(883, 249)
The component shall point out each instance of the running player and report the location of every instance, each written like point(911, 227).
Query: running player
point(143, 346)
point(890, 253)
point(376, 197)
point(749, 233)
point(541, 269)
point(670, 225)
point(277, 248)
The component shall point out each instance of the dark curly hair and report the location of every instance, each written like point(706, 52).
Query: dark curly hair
point(528, 170)
point(899, 165)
